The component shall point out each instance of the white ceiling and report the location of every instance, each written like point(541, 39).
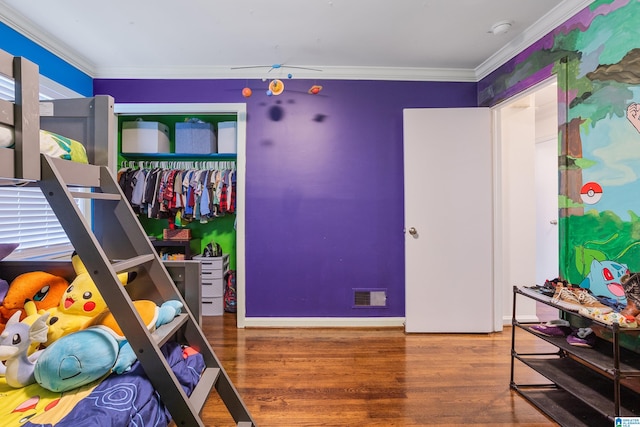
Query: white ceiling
point(377, 39)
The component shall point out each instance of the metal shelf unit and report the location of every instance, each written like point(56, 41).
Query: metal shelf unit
point(585, 386)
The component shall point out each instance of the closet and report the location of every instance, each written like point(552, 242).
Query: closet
point(223, 227)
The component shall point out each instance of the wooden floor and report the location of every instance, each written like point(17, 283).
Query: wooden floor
point(298, 377)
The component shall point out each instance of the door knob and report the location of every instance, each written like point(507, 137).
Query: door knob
point(553, 222)
point(413, 231)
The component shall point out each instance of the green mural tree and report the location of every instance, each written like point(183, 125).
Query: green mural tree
point(596, 79)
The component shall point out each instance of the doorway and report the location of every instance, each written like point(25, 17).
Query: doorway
point(526, 208)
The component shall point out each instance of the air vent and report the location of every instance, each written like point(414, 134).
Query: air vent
point(375, 298)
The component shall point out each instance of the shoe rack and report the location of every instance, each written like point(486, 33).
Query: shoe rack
point(578, 386)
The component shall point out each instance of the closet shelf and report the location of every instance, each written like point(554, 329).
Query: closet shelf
point(179, 156)
point(563, 407)
point(584, 384)
point(600, 358)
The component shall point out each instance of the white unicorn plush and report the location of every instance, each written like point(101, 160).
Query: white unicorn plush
point(14, 348)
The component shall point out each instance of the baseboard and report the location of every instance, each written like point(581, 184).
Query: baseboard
point(506, 320)
point(323, 322)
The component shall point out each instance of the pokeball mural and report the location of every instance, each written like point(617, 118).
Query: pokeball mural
point(591, 193)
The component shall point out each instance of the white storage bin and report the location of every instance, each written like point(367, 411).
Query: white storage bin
point(145, 137)
point(212, 306)
point(227, 137)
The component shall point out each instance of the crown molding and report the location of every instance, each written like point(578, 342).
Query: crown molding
point(327, 73)
point(551, 20)
point(48, 41)
point(548, 22)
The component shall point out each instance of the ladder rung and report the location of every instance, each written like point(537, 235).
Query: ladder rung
point(74, 173)
point(130, 263)
point(166, 331)
point(93, 195)
point(204, 387)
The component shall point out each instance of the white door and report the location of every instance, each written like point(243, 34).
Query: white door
point(448, 220)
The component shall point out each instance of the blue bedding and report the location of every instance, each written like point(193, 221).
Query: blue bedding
point(129, 399)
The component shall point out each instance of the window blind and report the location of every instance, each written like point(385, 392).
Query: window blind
point(26, 218)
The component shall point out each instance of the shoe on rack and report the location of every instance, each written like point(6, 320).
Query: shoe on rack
point(631, 286)
point(609, 318)
point(553, 328)
point(583, 337)
point(565, 297)
point(536, 291)
point(587, 299)
point(555, 282)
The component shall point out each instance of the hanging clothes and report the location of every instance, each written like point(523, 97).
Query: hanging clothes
point(198, 194)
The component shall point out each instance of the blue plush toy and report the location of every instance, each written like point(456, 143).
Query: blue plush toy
point(71, 361)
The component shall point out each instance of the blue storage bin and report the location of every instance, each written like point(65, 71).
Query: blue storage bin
point(195, 138)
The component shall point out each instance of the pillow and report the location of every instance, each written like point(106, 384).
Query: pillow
point(55, 145)
point(6, 136)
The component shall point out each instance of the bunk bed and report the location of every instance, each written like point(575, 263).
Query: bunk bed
point(114, 400)
point(177, 381)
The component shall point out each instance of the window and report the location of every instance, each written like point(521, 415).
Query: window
point(26, 218)
point(25, 215)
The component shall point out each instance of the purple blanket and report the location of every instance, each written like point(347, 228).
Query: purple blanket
point(129, 399)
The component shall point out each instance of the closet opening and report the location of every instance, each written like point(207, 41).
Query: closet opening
point(225, 226)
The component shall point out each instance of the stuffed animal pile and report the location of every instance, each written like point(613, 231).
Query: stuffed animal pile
point(82, 340)
point(44, 289)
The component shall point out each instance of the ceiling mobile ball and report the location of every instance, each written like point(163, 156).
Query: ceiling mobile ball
point(315, 89)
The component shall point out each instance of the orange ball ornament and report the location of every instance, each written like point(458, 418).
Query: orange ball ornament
point(246, 92)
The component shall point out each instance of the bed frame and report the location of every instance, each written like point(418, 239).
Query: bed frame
point(18, 162)
point(115, 242)
point(88, 120)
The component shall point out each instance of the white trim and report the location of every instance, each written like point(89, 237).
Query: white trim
point(324, 322)
point(556, 16)
point(54, 90)
point(499, 266)
point(327, 73)
point(48, 41)
point(498, 248)
point(180, 108)
point(240, 111)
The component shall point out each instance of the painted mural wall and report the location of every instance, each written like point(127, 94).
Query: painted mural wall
point(595, 57)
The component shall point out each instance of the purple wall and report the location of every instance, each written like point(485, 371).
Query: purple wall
point(324, 202)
